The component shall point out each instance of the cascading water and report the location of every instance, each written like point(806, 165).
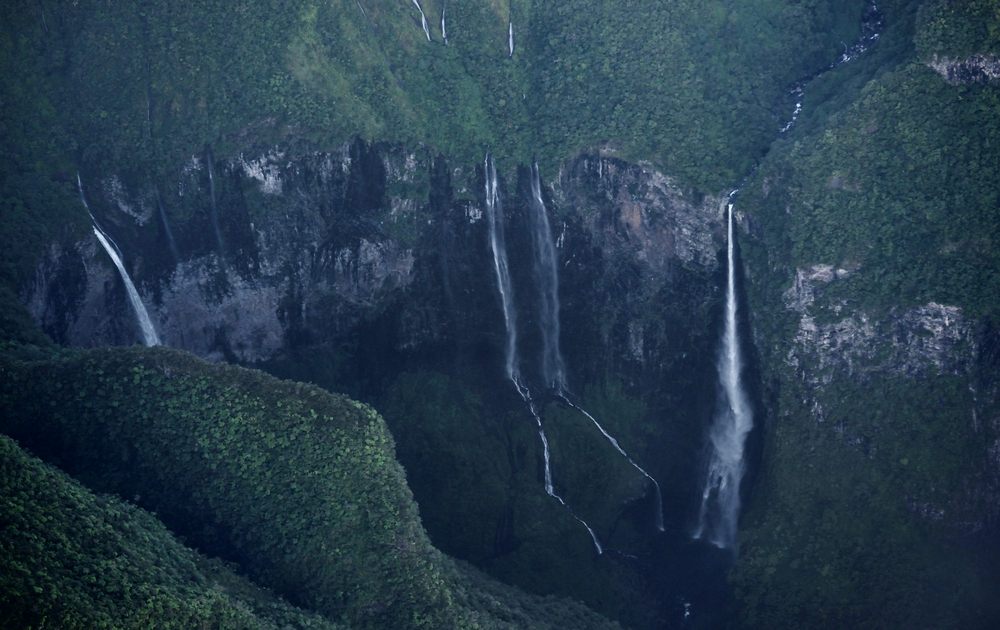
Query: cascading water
point(149, 335)
point(444, 31)
point(871, 26)
point(423, 20)
point(510, 38)
point(494, 212)
point(720, 501)
point(553, 366)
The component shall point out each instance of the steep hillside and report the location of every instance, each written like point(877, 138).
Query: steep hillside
point(73, 559)
point(872, 254)
point(297, 487)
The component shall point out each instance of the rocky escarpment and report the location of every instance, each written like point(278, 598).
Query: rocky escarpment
point(269, 246)
point(838, 341)
point(367, 269)
point(837, 347)
point(279, 247)
point(975, 69)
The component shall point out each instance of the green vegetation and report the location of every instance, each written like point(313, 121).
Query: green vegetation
point(73, 559)
point(838, 542)
point(958, 29)
point(906, 170)
point(485, 463)
point(297, 486)
point(697, 87)
point(861, 515)
point(891, 173)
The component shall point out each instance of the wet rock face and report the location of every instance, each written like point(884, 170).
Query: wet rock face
point(932, 339)
point(974, 69)
point(238, 259)
point(833, 340)
point(266, 242)
point(635, 208)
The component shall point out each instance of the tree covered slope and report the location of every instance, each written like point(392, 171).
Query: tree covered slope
point(297, 487)
point(74, 559)
point(873, 249)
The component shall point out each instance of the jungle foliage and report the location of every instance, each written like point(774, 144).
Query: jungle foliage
point(297, 487)
point(863, 513)
point(70, 558)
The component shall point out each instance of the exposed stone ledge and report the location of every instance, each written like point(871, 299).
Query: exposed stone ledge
point(974, 69)
point(930, 339)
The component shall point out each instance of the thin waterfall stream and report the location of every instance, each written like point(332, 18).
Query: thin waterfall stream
point(553, 365)
point(423, 20)
point(149, 336)
point(719, 512)
point(214, 211)
point(444, 30)
point(498, 246)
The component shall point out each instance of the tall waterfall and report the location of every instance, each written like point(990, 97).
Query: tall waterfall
point(553, 366)
point(720, 501)
point(423, 20)
point(498, 245)
point(510, 38)
point(149, 335)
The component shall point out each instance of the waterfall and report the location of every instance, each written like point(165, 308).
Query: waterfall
point(148, 331)
point(423, 20)
point(214, 209)
point(510, 38)
point(444, 31)
point(720, 501)
point(498, 246)
point(553, 366)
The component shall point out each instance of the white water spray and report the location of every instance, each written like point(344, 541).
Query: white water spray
point(510, 38)
point(149, 335)
point(494, 212)
point(720, 501)
point(423, 20)
point(553, 366)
